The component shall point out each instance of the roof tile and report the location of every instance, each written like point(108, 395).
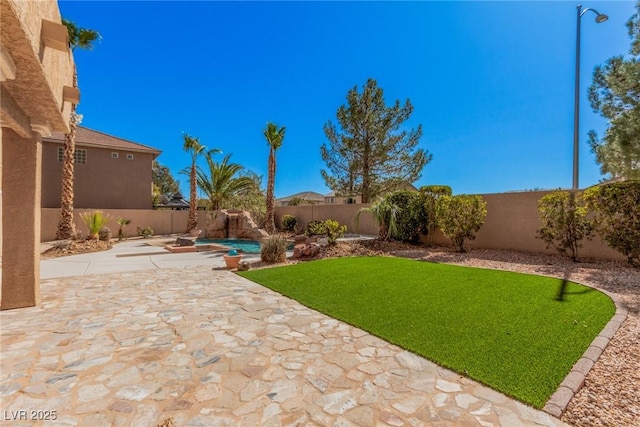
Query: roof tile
point(90, 137)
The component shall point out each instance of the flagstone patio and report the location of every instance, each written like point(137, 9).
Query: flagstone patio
point(209, 348)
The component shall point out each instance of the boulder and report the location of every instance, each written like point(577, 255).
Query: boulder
point(180, 241)
point(306, 250)
point(297, 250)
point(217, 225)
point(252, 234)
point(243, 225)
point(245, 222)
point(218, 234)
point(105, 234)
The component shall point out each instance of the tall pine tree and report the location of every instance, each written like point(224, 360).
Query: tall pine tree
point(368, 153)
point(615, 94)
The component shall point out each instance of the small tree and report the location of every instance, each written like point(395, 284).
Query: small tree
point(251, 199)
point(564, 222)
point(122, 222)
point(163, 181)
point(617, 216)
point(459, 217)
point(430, 196)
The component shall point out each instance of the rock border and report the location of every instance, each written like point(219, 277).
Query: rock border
point(573, 382)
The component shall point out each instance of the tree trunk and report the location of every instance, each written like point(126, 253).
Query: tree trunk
point(192, 222)
point(366, 179)
point(270, 225)
point(66, 225)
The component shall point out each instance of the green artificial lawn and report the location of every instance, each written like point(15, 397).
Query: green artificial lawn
point(504, 329)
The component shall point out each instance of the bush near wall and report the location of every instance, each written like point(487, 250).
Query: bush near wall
point(511, 223)
point(617, 216)
point(430, 195)
point(289, 222)
point(564, 222)
point(460, 217)
point(411, 219)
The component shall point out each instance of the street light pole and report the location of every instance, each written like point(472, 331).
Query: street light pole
point(600, 17)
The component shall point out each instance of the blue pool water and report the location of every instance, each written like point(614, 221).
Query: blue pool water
point(246, 246)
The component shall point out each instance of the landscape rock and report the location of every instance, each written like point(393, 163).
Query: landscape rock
point(233, 224)
point(181, 241)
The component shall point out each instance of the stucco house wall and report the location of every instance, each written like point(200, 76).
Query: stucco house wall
point(36, 73)
point(113, 177)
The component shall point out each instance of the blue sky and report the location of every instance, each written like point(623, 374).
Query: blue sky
point(491, 82)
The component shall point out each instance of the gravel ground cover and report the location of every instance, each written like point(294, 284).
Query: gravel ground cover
point(611, 394)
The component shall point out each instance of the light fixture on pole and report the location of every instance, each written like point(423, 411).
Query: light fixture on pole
point(600, 18)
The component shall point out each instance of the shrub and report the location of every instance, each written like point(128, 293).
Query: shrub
point(289, 222)
point(330, 228)
point(145, 232)
point(122, 222)
point(334, 230)
point(430, 195)
point(95, 221)
point(459, 217)
point(564, 222)
point(411, 217)
point(315, 228)
point(401, 215)
point(617, 216)
point(273, 249)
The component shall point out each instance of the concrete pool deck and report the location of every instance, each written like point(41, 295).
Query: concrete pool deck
point(209, 348)
point(133, 255)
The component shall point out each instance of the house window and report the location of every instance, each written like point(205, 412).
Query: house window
point(330, 199)
point(129, 156)
point(114, 155)
point(80, 156)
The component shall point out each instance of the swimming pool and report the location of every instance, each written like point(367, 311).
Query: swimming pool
point(246, 246)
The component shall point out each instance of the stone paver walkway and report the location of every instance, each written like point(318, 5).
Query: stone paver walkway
point(209, 348)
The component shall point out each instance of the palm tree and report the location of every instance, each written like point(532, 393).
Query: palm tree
point(274, 136)
point(193, 146)
point(222, 183)
point(385, 214)
point(78, 38)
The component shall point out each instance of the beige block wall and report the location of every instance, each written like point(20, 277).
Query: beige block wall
point(101, 183)
point(345, 214)
point(511, 223)
point(20, 221)
point(162, 222)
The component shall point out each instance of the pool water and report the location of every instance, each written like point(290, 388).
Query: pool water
point(246, 246)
